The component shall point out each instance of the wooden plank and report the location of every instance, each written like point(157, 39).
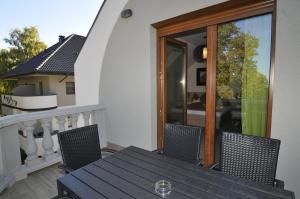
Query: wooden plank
point(79, 188)
point(123, 184)
point(212, 179)
point(233, 4)
point(189, 184)
point(160, 74)
point(139, 174)
point(220, 13)
point(140, 178)
point(208, 174)
point(173, 161)
point(40, 184)
point(100, 185)
point(210, 108)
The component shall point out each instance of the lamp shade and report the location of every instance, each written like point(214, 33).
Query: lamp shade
point(204, 53)
point(200, 53)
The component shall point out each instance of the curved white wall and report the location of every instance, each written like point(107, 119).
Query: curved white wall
point(89, 62)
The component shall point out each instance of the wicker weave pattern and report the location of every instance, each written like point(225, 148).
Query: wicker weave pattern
point(250, 157)
point(79, 146)
point(182, 142)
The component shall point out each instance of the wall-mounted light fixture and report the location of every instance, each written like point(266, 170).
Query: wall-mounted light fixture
point(200, 53)
point(126, 13)
point(204, 53)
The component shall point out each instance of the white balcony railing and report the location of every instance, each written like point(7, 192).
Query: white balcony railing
point(62, 118)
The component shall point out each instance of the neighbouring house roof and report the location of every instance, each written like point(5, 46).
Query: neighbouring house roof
point(58, 59)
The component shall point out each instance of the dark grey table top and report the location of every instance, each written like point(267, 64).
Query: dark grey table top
point(132, 173)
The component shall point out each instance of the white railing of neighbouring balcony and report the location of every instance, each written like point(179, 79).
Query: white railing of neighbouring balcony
point(62, 118)
point(32, 103)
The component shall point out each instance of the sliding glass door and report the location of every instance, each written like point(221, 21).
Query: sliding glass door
point(243, 68)
point(239, 72)
point(175, 81)
point(242, 76)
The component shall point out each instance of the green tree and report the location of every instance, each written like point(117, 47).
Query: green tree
point(23, 45)
point(233, 57)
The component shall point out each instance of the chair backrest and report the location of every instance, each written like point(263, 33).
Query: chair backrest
point(79, 146)
point(182, 142)
point(249, 157)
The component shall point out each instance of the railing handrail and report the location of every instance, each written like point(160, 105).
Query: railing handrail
point(60, 111)
point(46, 95)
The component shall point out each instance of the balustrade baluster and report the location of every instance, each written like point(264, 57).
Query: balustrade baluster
point(93, 117)
point(86, 118)
point(61, 120)
point(31, 148)
point(74, 120)
point(47, 139)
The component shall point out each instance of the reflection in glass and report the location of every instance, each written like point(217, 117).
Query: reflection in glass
point(175, 83)
point(243, 67)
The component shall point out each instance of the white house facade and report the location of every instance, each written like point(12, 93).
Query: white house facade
point(46, 81)
point(122, 73)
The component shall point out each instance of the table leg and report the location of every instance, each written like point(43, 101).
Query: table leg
point(60, 190)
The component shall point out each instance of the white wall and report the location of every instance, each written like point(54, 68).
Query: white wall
point(52, 85)
point(128, 78)
point(286, 103)
point(59, 88)
point(10, 160)
point(34, 80)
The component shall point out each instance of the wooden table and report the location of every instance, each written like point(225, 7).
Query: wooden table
point(132, 173)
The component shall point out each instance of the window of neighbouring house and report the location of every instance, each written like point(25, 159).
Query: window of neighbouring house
point(41, 88)
point(70, 88)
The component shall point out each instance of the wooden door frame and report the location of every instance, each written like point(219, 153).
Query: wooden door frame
point(210, 108)
point(209, 17)
point(161, 79)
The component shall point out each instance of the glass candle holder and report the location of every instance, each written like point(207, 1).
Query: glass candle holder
point(163, 188)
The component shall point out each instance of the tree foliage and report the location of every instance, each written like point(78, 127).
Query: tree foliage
point(239, 79)
point(233, 57)
point(23, 45)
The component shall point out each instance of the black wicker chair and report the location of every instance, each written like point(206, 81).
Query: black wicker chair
point(250, 157)
point(182, 142)
point(80, 147)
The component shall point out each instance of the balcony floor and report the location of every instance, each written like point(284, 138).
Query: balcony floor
point(38, 185)
point(41, 184)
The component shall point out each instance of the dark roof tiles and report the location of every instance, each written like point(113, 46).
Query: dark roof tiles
point(57, 59)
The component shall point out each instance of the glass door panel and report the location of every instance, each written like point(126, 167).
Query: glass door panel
point(242, 77)
point(175, 79)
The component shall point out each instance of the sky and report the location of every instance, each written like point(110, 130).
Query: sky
point(260, 27)
point(51, 17)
